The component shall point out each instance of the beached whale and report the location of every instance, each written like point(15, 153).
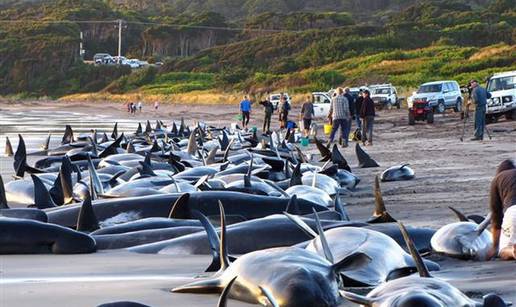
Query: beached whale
point(285, 277)
point(21, 236)
point(419, 290)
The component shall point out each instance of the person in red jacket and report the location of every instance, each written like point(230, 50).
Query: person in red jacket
point(367, 114)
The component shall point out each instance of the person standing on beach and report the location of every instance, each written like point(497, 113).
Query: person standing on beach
point(140, 106)
point(367, 114)
point(283, 109)
point(352, 109)
point(502, 203)
point(156, 105)
point(479, 96)
point(339, 116)
point(268, 109)
point(307, 113)
point(358, 107)
point(245, 108)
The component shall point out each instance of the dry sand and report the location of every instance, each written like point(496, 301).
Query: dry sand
point(448, 173)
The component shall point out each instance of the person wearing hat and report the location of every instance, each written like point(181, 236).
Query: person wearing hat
point(479, 96)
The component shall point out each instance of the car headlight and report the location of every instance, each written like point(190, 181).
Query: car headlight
point(507, 99)
point(410, 103)
point(495, 100)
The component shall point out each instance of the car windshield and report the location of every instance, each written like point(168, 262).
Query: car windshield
point(430, 88)
point(275, 97)
point(502, 83)
point(383, 91)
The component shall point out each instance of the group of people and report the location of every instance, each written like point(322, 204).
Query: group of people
point(133, 107)
point(283, 110)
point(343, 111)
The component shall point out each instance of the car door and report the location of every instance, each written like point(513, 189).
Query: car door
point(449, 94)
point(321, 105)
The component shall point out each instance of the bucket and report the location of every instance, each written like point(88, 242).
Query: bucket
point(254, 129)
point(327, 128)
point(304, 141)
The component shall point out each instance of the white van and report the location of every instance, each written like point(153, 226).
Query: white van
point(502, 87)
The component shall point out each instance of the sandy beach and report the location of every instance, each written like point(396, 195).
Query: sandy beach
point(448, 173)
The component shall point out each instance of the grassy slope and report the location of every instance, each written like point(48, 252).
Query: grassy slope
point(405, 69)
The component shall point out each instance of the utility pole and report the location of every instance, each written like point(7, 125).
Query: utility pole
point(119, 41)
point(81, 47)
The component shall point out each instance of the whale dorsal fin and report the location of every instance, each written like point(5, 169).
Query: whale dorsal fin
point(139, 130)
point(47, 142)
point(20, 158)
point(3, 198)
point(364, 160)
point(418, 260)
point(65, 171)
point(322, 238)
point(292, 206)
point(87, 220)
point(42, 198)
point(224, 258)
point(192, 143)
point(211, 155)
point(380, 214)
point(482, 226)
point(111, 149)
point(213, 240)
point(224, 295)
point(323, 150)
point(459, 214)
point(226, 152)
point(338, 158)
point(68, 135)
point(295, 179)
point(8, 147)
point(340, 208)
point(301, 224)
point(180, 209)
point(148, 128)
point(114, 134)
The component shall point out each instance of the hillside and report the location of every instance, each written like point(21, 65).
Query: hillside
point(320, 44)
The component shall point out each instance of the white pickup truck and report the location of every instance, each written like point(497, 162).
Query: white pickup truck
point(502, 87)
point(384, 96)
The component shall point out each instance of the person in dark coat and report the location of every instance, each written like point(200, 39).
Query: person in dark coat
point(367, 114)
point(358, 107)
point(268, 109)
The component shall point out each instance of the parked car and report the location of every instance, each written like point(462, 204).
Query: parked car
point(384, 96)
point(440, 95)
point(322, 103)
point(275, 99)
point(502, 87)
point(103, 59)
point(133, 63)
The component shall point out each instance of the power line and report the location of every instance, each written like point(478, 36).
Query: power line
point(238, 29)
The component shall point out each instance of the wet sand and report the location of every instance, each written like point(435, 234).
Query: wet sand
point(448, 173)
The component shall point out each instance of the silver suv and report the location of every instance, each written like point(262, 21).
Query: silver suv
point(440, 95)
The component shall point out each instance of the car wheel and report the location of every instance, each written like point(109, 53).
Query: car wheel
point(398, 104)
point(458, 106)
point(411, 118)
point(389, 105)
point(440, 107)
point(510, 115)
point(430, 117)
